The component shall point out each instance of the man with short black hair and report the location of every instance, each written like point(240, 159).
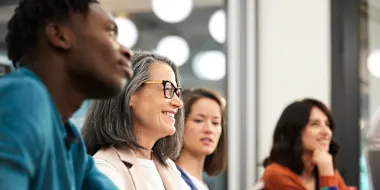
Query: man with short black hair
point(66, 51)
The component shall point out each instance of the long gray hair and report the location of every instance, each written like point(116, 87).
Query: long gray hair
point(109, 122)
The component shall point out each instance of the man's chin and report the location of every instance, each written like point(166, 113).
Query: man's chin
point(107, 91)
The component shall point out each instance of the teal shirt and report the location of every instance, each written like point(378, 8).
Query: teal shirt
point(37, 151)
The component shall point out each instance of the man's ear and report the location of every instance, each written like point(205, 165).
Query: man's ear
point(58, 36)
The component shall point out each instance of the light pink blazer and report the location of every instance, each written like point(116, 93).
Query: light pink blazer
point(122, 168)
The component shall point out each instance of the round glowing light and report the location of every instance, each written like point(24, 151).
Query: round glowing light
point(127, 30)
point(210, 65)
point(373, 63)
point(172, 11)
point(175, 48)
point(217, 26)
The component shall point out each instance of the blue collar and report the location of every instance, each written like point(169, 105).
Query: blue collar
point(71, 136)
point(187, 179)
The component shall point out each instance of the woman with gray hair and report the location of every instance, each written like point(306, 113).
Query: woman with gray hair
point(132, 136)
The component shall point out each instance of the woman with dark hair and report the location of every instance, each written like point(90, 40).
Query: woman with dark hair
point(132, 136)
point(204, 148)
point(303, 152)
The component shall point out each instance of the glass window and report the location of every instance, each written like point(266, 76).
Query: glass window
point(370, 80)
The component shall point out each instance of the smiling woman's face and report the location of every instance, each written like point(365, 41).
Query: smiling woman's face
point(153, 112)
point(317, 134)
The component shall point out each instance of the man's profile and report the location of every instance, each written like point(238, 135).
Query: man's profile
point(66, 51)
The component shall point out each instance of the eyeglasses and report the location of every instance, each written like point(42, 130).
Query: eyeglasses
point(169, 88)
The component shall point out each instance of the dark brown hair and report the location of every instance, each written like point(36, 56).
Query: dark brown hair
point(287, 141)
point(216, 162)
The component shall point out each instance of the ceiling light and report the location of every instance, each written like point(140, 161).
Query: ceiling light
point(175, 48)
point(210, 65)
point(127, 32)
point(217, 26)
point(373, 63)
point(172, 11)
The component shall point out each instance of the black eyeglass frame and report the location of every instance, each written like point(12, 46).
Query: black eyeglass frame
point(176, 90)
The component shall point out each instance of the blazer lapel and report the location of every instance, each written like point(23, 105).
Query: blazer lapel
point(130, 160)
point(170, 176)
point(165, 176)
